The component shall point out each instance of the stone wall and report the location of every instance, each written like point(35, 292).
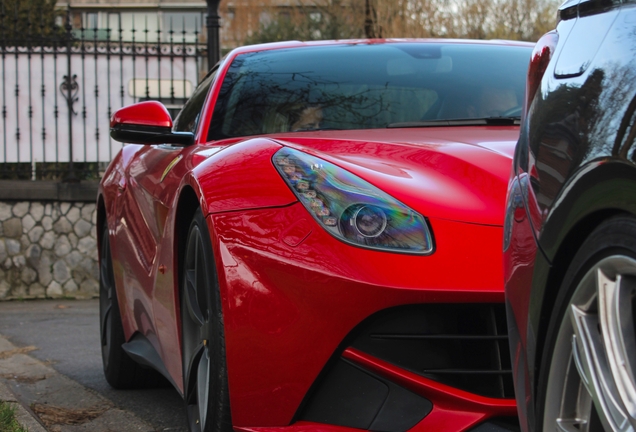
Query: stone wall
point(48, 250)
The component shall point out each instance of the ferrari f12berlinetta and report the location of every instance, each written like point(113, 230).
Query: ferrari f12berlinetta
point(314, 244)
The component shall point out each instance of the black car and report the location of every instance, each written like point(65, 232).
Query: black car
point(570, 230)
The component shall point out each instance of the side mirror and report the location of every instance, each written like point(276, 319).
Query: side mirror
point(146, 123)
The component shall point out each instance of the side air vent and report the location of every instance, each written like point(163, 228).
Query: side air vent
point(461, 345)
point(353, 397)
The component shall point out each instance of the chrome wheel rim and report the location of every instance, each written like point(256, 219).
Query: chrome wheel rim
point(196, 329)
point(591, 385)
point(105, 299)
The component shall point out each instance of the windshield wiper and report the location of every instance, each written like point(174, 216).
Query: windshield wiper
point(503, 121)
point(316, 129)
point(485, 121)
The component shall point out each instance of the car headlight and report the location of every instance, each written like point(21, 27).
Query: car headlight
point(350, 208)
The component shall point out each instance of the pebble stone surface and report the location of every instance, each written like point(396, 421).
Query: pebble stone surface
point(48, 250)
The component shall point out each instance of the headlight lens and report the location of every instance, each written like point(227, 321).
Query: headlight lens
point(350, 208)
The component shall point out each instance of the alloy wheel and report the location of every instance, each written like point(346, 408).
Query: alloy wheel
point(591, 385)
point(196, 331)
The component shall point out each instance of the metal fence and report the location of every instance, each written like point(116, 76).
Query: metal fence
point(60, 86)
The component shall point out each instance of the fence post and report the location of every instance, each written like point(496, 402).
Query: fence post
point(69, 89)
point(213, 23)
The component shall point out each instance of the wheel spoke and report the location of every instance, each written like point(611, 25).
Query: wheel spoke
point(196, 241)
point(197, 337)
point(203, 387)
point(576, 403)
point(201, 278)
point(103, 267)
point(617, 324)
point(569, 425)
point(107, 336)
point(591, 384)
point(105, 326)
point(106, 269)
point(591, 363)
point(192, 298)
point(105, 273)
point(192, 375)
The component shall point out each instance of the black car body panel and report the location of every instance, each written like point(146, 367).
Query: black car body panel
point(574, 166)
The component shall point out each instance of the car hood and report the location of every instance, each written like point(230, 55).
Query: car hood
point(458, 174)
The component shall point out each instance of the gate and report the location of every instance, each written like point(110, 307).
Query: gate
point(60, 86)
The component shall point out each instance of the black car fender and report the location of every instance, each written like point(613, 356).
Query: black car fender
point(602, 189)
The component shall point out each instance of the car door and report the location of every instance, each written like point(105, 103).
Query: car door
point(171, 165)
point(146, 194)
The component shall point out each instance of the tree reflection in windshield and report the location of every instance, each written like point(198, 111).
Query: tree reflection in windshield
point(362, 86)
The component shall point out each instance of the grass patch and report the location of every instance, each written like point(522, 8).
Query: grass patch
point(8, 423)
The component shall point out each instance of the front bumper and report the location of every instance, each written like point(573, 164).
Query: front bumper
point(295, 299)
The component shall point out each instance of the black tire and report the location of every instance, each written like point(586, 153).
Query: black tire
point(120, 370)
point(607, 256)
point(203, 337)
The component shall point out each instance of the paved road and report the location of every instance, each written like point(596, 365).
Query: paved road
point(66, 334)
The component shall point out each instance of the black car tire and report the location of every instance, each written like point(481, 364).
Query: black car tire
point(601, 276)
point(203, 337)
point(120, 370)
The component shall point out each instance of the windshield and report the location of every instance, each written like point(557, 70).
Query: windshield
point(368, 86)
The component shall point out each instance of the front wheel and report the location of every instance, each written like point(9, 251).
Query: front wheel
point(203, 341)
point(590, 384)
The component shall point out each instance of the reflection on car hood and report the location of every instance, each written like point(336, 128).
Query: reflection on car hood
point(457, 174)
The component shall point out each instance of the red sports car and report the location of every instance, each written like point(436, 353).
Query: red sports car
point(315, 242)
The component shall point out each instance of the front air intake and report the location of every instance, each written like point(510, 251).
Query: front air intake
point(461, 345)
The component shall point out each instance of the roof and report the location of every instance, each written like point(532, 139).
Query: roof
point(298, 44)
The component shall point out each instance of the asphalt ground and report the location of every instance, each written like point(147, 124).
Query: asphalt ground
point(65, 335)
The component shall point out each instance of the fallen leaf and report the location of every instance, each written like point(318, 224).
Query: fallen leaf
point(52, 415)
point(23, 378)
point(23, 350)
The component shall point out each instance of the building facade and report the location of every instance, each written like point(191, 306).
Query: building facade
point(174, 20)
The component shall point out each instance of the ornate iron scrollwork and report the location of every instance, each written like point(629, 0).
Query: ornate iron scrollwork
point(69, 89)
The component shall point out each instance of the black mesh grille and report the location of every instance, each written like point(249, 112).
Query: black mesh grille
point(461, 345)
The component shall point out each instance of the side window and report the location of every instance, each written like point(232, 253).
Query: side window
point(188, 118)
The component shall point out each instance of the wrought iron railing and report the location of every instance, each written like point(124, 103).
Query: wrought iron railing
point(60, 86)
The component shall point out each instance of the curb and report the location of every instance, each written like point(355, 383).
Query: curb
point(67, 405)
point(25, 417)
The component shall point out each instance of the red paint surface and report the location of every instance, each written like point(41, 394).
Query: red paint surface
point(453, 409)
point(280, 272)
point(518, 266)
point(429, 170)
point(274, 295)
point(420, 168)
point(241, 177)
point(298, 427)
point(149, 113)
point(541, 55)
point(290, 291)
